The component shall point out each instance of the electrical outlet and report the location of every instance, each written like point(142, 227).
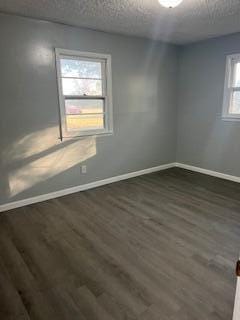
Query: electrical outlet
point(84, 169)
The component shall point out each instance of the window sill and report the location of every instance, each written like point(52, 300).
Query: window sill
point(98, 135)
point(231, 119)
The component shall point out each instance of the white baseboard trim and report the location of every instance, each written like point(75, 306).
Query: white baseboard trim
point(64, 192)
point(208, 172)
point(60, 193)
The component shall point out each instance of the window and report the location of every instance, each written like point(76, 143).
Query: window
point(231, 103)
point(84, 83)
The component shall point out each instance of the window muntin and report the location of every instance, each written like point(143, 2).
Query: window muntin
point(84, 81)
point(231, 104)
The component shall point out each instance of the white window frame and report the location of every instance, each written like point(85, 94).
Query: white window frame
point(229, 88)
point(106, 96)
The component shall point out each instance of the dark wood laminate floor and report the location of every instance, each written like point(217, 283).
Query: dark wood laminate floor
point(157, 247)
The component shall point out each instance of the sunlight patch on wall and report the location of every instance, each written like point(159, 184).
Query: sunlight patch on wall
point(33, 144)
point(44, 158)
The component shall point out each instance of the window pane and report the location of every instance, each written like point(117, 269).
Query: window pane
point(81, 68)
point(235, 105)
point(84, 122)
point(83, 106)
point(236, 79)
point(82, 87)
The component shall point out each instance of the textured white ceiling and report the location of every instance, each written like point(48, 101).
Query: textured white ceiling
point(193, 20)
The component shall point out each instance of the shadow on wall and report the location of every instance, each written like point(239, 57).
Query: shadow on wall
point(41, 155)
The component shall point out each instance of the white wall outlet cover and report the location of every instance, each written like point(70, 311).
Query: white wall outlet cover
point(84, 169)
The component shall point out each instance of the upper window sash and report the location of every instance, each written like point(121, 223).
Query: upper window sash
point(77, 58)
point(101, 79)
point(232, 66)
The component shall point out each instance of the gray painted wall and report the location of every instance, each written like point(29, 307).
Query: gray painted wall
point(204, 139)
point(33, 161)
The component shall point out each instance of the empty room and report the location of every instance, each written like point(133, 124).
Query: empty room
point(120, 160)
